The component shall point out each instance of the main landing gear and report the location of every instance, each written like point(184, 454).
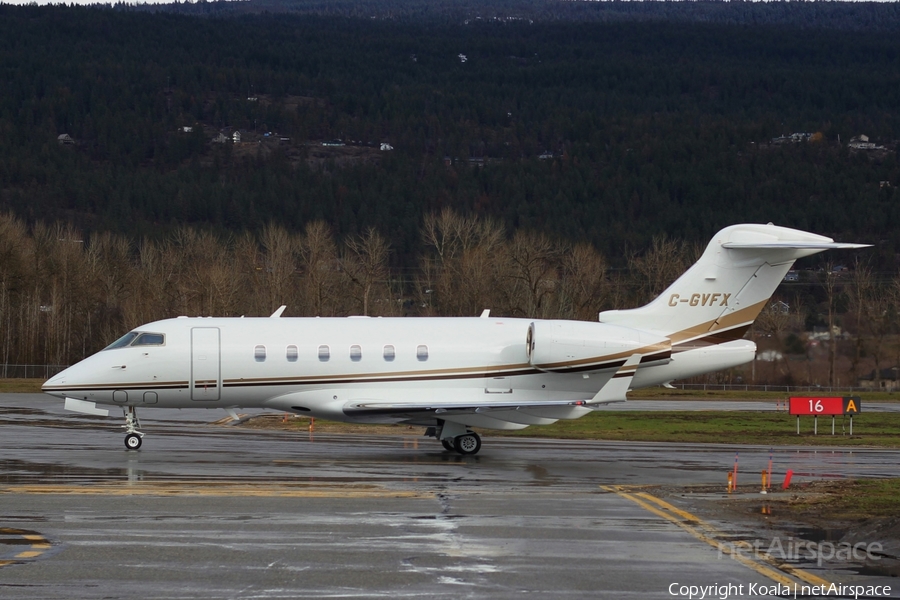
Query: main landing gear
point(455, 437)
point(132, 435)
point(469, 443)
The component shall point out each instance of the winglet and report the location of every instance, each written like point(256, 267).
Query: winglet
point(278, 312)
point(486, 313)
point(617, 387)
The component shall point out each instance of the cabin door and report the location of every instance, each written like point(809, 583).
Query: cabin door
point(206, 376)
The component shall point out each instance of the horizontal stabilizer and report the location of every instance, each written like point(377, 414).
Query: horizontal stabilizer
point(798, 245)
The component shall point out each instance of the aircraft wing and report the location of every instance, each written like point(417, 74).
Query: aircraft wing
point(472, 407)
point(492, 415)
point(502, 415)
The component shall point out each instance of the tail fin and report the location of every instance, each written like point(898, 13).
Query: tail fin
point(719, 297)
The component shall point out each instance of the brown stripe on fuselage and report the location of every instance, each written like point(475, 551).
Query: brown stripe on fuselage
point(569, 365)
point(726, 328)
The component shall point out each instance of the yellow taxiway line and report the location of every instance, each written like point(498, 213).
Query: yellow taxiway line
point(705, 532)
point(39, 545)
point(200, 488)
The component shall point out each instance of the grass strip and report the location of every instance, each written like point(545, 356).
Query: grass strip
point(709, 427)
point(853, 499)
point(21, 386)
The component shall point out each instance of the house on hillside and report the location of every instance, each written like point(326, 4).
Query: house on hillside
point(65, 139)
point(781, 308)
point(220, 139)
point(887, 380)
point(236, 136)
point(861, 142)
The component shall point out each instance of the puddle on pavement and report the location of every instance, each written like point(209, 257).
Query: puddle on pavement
point(21, 411)
point(816, 534)
point(541, 475)
point(18, 472)
point(878, 570)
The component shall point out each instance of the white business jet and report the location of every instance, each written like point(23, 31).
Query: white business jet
point(447, 374)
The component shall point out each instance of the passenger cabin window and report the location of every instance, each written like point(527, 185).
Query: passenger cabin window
point(324, 353)
point(259, 353)
point(150, 339)
point(355, 353)
point(292, 353)
point(389, 353)
point(422, 352)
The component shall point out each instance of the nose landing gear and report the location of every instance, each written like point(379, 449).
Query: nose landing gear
point(132, 435)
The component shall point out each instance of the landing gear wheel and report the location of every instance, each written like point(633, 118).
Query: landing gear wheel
point(132, 441)
point(132, 435)
point(448, 445)
point(469, 443)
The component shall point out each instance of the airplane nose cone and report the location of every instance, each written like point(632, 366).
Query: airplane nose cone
point(49, 386)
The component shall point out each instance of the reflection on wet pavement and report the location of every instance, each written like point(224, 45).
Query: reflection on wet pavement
point(212, 512)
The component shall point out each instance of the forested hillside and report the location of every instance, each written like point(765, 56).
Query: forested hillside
point(554, 129)
point(645, 127)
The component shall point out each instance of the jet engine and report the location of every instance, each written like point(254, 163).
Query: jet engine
point(568, 346)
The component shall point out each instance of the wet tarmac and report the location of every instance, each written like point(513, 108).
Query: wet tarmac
point(205, 511)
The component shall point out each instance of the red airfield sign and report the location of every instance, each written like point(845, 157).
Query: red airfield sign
point(823, 405)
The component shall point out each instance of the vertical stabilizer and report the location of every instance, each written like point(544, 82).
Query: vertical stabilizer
point(718, 298)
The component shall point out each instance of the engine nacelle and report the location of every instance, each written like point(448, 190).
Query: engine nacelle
point(568, 346)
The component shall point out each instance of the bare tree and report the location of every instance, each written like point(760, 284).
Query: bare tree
point(831, 284)
point(15, 249)
point(533, 274)
point(207, 281)
point(460, 278)
point(772, 321)
point(862, 302)
point(321, 267)
point(114, 282)
point(583, 284)
point(660, 265)
point(279, 264)
point(364, 263)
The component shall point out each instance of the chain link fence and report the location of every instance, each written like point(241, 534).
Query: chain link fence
point(30, 371)
point(788, 389)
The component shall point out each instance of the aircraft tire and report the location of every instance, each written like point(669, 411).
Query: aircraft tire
point(448, 445)
point(132, 441)
point(469, 443)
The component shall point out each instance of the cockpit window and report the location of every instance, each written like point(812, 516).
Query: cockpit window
point(122, 341)
point(135, 338)
point(150, 339)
